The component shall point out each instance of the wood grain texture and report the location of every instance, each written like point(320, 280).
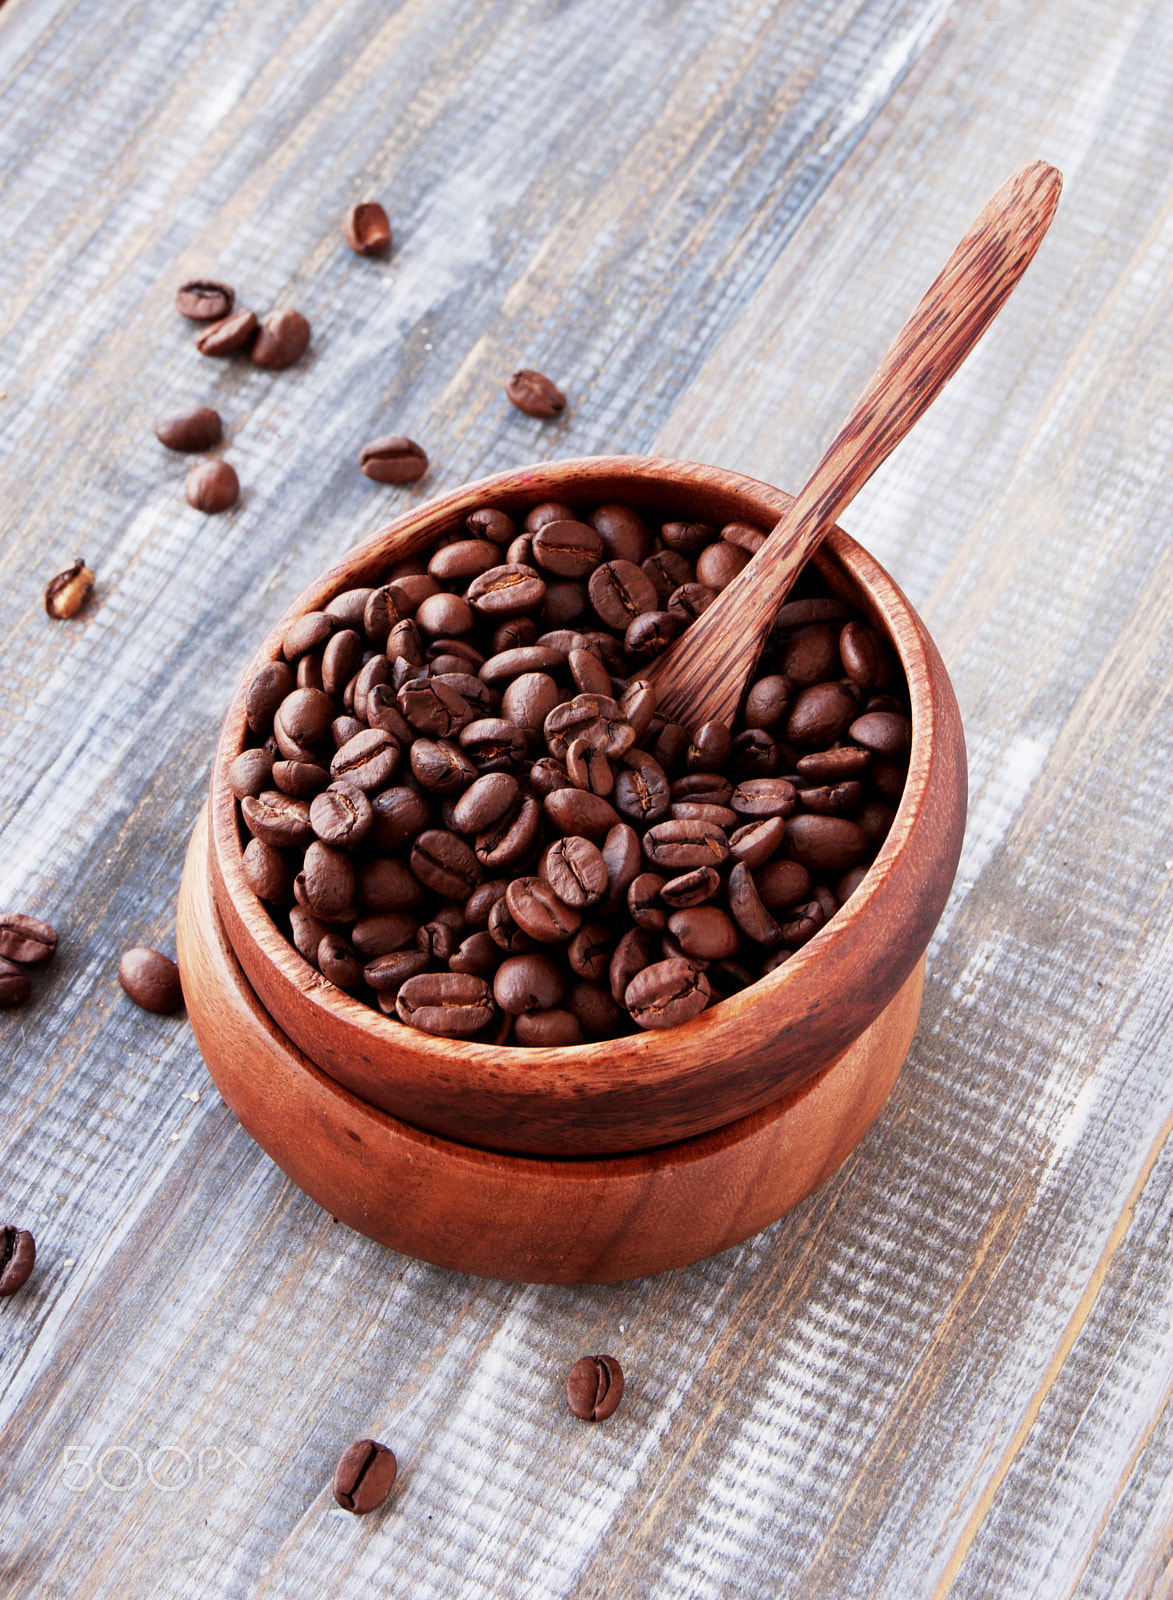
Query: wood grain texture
point(702, 677)
point(947, 1373)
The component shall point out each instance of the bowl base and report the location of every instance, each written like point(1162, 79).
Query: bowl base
point(520, 1218)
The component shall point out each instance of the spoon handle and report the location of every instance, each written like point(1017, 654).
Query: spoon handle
point(702, 676)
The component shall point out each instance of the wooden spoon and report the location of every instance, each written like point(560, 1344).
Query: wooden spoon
point(702, 677)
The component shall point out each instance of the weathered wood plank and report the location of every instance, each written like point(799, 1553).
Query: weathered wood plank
point(949, 1371)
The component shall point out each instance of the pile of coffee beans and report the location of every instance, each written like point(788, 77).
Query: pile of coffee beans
point(24, 942)
point(464, 808)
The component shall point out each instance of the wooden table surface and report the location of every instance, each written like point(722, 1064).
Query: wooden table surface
point(950, 1371)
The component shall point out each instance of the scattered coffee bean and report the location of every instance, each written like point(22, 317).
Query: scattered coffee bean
point(18, 1253)
point(15, 986)
point(368, 233)
point(281, 339)
point(534, 394)
point(594, 1388)
point(66, 593)
point(463, 801)
point(203, 300)
point(364, 1476)
point(212, 486)
point(228, 335)
point(151, 980)
point(393, 459)
point(25, 939)
point(198, 429)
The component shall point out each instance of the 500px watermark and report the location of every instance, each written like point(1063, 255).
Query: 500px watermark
point(120, 1468)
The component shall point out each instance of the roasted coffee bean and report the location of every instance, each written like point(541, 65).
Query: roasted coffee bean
point(308, 632)
point(650, 634)
point(546, 775)
point(530, 982)
point(825, 844)
point(281, 340)
point(597, 1014)
point(25, 939)
point(302, 779)
point(534, 394)
point(267, 688)
point(563, 602)
point(799, 926)
point(539, 912)
point(846, 886)
point(445, 863)
point(338, 962)
point(820, 715)
point(705, 788)
point(151, 980)
point(368, 760)
point(393, 459)
point(576, 871)
point(782, 884)
point(227, 335)
point(887, 778)
point(482, 900)
point(548, 511)
point(506, 666)
point(746, 905)
point(767, 701)
point(811, 654)
point(667, 993)
point(387, 974)
point(687, 538)
point(745, 536)
point(513, 634)
point(876, 819)
point(309, 671)
point(18, 1254)
point(204, 300)
point(578, 811)
point(505, 931)
point(443, 615)
point(690, 889)
point(441, 766)
point(691, 600)
point(366, 1470)
point(631, 955)
point(643, 895)
point(755, 754)
point(438, 942)
point(382, 933)
point(308, 932)
point(620, 591)
point(409, 590)
point(342, 815)
point(212, 486)
point(464, 559)
point(341, 659)
point(697, 811)
point(865, 660)
point(594, 1388)
point(667, 571)
point(589, 952)
point(15, 986)
point(704, 931)
point(709, 748)
point(755, 842)
point(567, 549)
point(588, 768)
point(884, 733)
point(493, 744)
point(507, 590)
point(835, 765)
point(509, 840)
point(548, 1030)
point(68, 591)
point(485, 802)
point(453, 1005)
point(832, 800)
point(487, 522)
point(476, 954)
point(269, 875)
point(327, 879)
point(674, 847)
point(764, 797)
point(277, 818)
point(727, 978)
point(366, 229)
point(197, 429)
point(400, 814)
point(589, 674)
point(624, 535)
point(718, 564)
point(528, 701)
point(304, 718)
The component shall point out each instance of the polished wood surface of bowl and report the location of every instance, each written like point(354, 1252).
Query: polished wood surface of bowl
point(641, 1091)
point(519, 1217)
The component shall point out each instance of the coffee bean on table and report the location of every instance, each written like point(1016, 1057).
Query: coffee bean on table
point(534, 394)
point(228, 335)
point(15, 985)
point(18, 1254)
point(68, 591)
point(594, 1388)
point(204, 300)
point(212, 486)
point(393, 459)
point(197, 429)
point(367, 230)
point(281, 339)
point(364, 1476)
point(25, 939)
point(151, 980)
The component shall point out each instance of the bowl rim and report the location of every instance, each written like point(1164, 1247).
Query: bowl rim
point(667, 1084)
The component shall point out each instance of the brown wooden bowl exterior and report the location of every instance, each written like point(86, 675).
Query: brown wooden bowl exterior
point(636, 1092)
point(521, 1218)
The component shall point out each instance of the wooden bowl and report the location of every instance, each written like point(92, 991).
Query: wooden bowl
point(633, 1093)
point(520, 1217)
